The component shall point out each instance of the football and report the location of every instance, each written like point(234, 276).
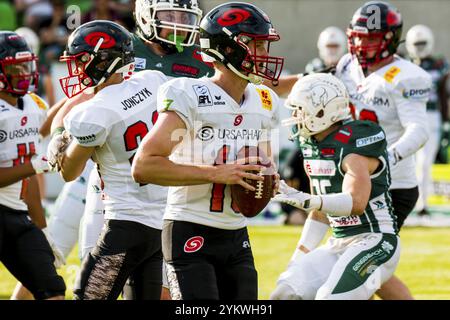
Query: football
point(251, 203)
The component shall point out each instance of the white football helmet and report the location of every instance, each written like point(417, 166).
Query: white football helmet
point(177, 15)
point(30, 37)
point(317, 101)
point(332, 44)
point(419, 41)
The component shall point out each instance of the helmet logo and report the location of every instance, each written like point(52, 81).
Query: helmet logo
point(392, 18)
point(93, 38)
point(232, 17)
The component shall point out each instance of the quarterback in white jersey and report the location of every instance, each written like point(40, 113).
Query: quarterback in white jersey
point(108, 128)
point(205, 241)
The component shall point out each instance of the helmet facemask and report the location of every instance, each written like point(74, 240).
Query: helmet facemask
point(160, 17)
point(19, 75)
point(244, 60)
point(361, 52)
point(89, 70)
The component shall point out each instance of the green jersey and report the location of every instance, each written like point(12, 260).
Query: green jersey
point(188, 63)
point(323, 164)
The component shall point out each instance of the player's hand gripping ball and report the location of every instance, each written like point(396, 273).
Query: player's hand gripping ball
point(251, 203)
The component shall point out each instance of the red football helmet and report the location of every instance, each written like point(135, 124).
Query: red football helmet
point(378, 27)
point(18, 64)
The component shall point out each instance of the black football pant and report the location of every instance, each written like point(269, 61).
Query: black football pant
point(124, 249)
point(208, 263)
point(26, 253)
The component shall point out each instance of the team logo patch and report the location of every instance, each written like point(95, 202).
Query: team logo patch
point(232, 17)
point(391, 73)
point(203, 95)
point(362, 142)
point(23, 121)
point(238, 120)
point(140, 63)
point(266, 99)
point(194, 244)
point(93, 38)
point(3, 136)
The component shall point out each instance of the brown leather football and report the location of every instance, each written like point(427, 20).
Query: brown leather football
point(251, 203)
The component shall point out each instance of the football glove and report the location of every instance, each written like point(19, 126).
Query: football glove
point(298, 199)
point(55, 150)
point(59, 257)
point(40, 164)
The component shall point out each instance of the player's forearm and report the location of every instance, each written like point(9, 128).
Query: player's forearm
point(411, 141)
point(9, 176)
point(161, 171)
point(33, 200)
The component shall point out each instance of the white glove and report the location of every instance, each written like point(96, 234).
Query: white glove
point(55, 150)
point(394, 157)
point(59, 257)
point(298, 199)
point(40, 164)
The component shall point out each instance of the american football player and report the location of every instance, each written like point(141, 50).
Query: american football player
point(420, 47)
point(25, 251)
point(347, 163)
point(109, 127)
point(164, 41)
point(393, 92)
point(205, 241)
point(332, 44)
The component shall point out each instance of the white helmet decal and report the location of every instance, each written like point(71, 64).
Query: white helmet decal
point(317, 101)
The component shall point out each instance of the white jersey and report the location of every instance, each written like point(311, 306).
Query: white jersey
point(115, 121)
point(394, 96)
point(218, 127)
point(19, 140)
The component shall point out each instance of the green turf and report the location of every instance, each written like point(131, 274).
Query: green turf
point(424, 264)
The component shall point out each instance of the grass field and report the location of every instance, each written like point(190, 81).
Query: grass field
point(424, 264)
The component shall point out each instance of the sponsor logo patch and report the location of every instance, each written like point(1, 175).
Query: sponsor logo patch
point(40, 103)
point(140, 63)
point(362, 142)
point(3, 136)
point(416, 93)
point(184, 70)
point(320, 167)
point(203, 95)
point(391, 74)
point(86, 139)
point(266, 99)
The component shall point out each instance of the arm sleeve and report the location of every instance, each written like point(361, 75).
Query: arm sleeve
point(172, 98)
point(411, 96)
